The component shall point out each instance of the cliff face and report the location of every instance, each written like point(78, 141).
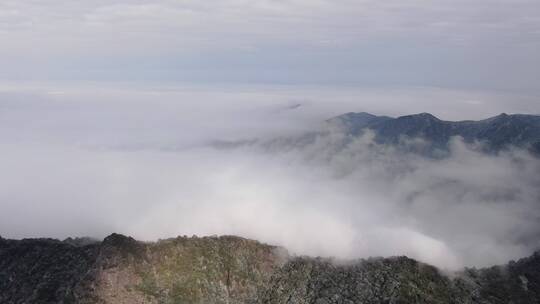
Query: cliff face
point(235, 270)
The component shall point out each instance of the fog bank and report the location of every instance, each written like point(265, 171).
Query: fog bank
point(91, 162)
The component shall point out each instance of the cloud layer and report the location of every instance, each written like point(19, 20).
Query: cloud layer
point(112, 156)
point(90, 161)
point(446, 43)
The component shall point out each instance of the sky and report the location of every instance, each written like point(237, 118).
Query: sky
point(109, 111)
point(460, 44)
point(91, 160)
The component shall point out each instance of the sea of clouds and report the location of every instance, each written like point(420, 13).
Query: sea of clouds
point(92, 160)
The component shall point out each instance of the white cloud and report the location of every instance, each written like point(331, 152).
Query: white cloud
point(93, 160)
point(98, 158)
point(451, 43)
point(329, 19)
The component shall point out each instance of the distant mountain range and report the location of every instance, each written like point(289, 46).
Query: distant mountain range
point(233, 270)
point(492, 135)
point(496, 133)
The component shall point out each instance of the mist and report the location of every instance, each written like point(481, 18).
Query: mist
point(89, 161)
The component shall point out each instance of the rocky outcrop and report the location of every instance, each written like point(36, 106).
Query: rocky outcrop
point(230, 269)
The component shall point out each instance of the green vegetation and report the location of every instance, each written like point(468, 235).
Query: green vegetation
point(232, 270)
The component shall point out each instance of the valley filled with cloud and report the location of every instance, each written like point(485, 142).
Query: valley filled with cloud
point(143, 162)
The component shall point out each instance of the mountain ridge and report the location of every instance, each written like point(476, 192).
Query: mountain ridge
point(230, 269)
point(492, 135)
point(497, 133)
